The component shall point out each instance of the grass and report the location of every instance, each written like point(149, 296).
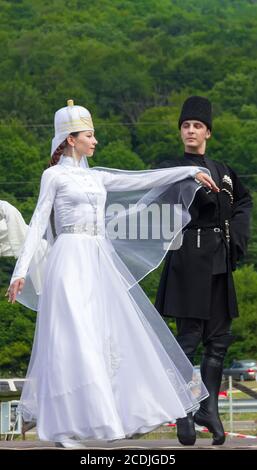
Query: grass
point(237, 394)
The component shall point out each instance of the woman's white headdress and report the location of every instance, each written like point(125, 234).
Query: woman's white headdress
point(71, 118)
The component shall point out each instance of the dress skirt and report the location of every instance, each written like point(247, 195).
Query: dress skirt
point(95, 370)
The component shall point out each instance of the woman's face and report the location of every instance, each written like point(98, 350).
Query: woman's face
point(84, 143)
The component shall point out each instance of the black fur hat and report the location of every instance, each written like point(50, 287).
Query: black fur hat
point(196, 108)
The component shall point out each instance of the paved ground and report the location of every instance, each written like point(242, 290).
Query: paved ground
point(165, 444)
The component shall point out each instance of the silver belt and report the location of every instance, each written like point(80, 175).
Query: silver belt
point(215, 229)
point(88, 228)
point(198, 240)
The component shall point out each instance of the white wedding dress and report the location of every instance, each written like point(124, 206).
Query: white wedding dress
point(97, 370)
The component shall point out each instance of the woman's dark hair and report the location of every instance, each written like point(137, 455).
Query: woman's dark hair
point(59, 151)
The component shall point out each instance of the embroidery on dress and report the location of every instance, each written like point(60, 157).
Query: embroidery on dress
point(113, 358)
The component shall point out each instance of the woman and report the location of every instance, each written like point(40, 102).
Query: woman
point(104, 365)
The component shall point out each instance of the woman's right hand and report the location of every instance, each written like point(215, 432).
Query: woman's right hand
point(207, 181)
point(14, 289)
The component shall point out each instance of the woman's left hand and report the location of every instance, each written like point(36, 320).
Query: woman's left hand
point(207, 181)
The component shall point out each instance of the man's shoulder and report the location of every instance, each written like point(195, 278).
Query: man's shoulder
point(170, 163)
point(220, 165)
point(6, 206)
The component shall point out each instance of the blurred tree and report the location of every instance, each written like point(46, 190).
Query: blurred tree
point(245, 327)
point(20, 163)
point(16, 333)
point(118, 155)
point(132, 64)
point(157, 135)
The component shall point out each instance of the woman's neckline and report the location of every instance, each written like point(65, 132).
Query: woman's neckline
point(67, 160)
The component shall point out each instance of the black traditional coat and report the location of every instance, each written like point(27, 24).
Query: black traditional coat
point(213, 242)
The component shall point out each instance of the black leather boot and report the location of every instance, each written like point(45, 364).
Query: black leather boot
point(185, 426)
point(186, 430)
point(208, 414)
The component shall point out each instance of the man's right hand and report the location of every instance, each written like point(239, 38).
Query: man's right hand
point(14, 289)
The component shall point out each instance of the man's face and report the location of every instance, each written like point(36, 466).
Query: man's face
point(194, 133)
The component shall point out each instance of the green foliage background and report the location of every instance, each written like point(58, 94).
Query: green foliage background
point(132, 63)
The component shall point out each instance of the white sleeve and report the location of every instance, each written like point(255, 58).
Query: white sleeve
point(37, 225)
point(130, 180)
point(2, 213)
point(16, 227)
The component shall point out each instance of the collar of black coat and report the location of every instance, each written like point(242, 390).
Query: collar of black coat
point(195, 159)
point(193, 155)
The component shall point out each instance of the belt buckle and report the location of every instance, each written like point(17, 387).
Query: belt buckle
point(92, 228)
point(216, 229)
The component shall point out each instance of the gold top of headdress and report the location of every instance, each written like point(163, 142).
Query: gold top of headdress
point(70, 103)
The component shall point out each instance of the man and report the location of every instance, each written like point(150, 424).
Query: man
point(13, 230)
point(196, 286)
